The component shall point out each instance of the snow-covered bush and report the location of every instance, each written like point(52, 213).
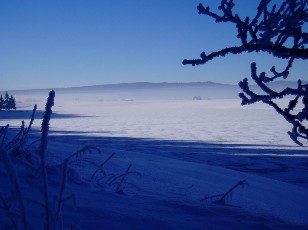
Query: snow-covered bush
point(197, 98)
point(17, 199)
point(277, 30)
point(36, 189)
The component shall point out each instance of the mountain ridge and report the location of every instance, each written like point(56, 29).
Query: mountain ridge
point(149, 85)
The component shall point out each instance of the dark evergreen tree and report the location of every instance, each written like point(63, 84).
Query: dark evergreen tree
point(1, 102)
point(279, 31)
point(6, 101)
point(12, 103)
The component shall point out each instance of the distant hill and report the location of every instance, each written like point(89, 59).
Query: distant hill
point(128, 86)
point(147, 90)
point(163, 90)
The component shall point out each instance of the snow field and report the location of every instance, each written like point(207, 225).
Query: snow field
point(184, 177)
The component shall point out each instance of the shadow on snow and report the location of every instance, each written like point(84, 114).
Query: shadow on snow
point(26, 114)
point(277, 162)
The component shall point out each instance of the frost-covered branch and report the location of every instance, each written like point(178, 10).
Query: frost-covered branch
point(268, 34)
point(280, 52)
point(277, 30)
point(295, 118)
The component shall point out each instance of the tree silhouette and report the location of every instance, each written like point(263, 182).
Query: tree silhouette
point(1, 102)
point(277, 30)
point(8, 102)
point(12, 103)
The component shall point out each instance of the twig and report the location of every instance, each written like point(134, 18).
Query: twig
point(16, 184)
point(221, 198)
point(100, 168)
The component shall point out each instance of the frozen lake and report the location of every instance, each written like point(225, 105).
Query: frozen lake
point(215, 120)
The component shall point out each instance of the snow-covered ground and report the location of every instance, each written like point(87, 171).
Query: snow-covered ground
point(182, 151)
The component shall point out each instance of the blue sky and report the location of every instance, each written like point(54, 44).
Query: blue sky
point(62, 43)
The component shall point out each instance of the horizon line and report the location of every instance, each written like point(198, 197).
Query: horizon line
point(131, 83)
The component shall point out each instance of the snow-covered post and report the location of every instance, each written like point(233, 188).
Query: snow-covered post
point(43, 147)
